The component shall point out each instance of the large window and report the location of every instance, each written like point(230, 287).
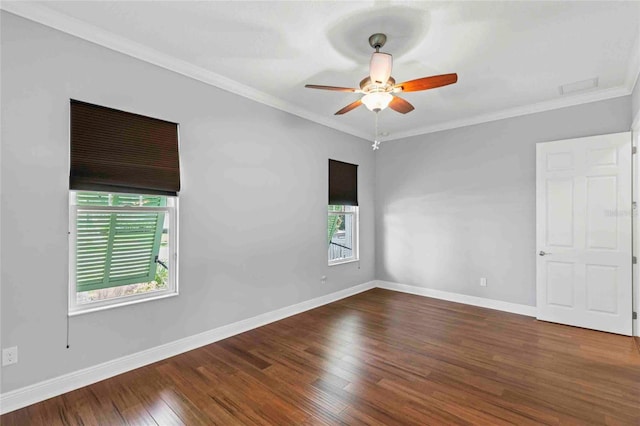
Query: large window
point(123, 248)
point(342, 233)
point(124, 179)
point(342, 213)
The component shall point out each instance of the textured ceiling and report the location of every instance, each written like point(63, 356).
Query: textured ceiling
point(511, 57)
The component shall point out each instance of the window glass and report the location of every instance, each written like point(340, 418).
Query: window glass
point(122, 247)
point(342, 233)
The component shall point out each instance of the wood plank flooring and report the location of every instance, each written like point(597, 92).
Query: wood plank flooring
point(379, 357)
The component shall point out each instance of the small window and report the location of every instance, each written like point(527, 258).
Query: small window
point(123, 249)
point(342, 233)
point(342, 217)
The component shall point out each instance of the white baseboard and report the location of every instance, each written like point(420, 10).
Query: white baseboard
point(31, 394)
point(499, 305)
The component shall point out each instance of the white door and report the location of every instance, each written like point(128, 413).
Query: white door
point(583, 215)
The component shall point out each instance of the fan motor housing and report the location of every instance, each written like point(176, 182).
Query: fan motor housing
point(368, 87)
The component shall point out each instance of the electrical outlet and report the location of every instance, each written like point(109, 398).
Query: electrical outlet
point(10, 356)
point(483, 282)
point(323, 279)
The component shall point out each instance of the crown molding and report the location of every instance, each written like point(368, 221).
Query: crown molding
point(45, 16)
point(48, 17)
point(574, 100)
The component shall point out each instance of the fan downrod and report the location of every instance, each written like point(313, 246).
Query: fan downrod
point(377, 40)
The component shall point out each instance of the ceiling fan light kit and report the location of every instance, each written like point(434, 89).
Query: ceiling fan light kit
point(377, 101)
point(380, 88)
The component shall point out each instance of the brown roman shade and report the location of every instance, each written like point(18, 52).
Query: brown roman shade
point(343, 183)
point(118, 151)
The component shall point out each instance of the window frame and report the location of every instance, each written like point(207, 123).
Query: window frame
point(171, 210)
point(355, 235)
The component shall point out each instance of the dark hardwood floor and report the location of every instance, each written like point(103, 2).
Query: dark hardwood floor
point(379, 357)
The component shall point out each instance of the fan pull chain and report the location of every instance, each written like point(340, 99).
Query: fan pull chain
point(376, 142)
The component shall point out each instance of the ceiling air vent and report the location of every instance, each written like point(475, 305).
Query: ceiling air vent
point(579, 86)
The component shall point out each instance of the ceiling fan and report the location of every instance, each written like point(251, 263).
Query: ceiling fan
point(380, 89)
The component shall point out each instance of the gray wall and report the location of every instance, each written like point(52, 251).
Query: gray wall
point(458, 205)
point(252, 208)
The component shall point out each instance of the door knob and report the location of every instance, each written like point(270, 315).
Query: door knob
point(542, 253)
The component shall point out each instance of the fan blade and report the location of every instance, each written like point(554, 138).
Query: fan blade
point(334, 88)
point(400, 105)
point(352, 105)
point(425, 83)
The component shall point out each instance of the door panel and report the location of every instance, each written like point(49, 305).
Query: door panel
point(602, 157)
point(602, 205)
point(560, 284)
point(559, 161)
point(602, 288)
point(584, 232)
point(559, 199)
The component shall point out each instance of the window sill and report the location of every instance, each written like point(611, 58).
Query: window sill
point(342, 262)
point(90, 309)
